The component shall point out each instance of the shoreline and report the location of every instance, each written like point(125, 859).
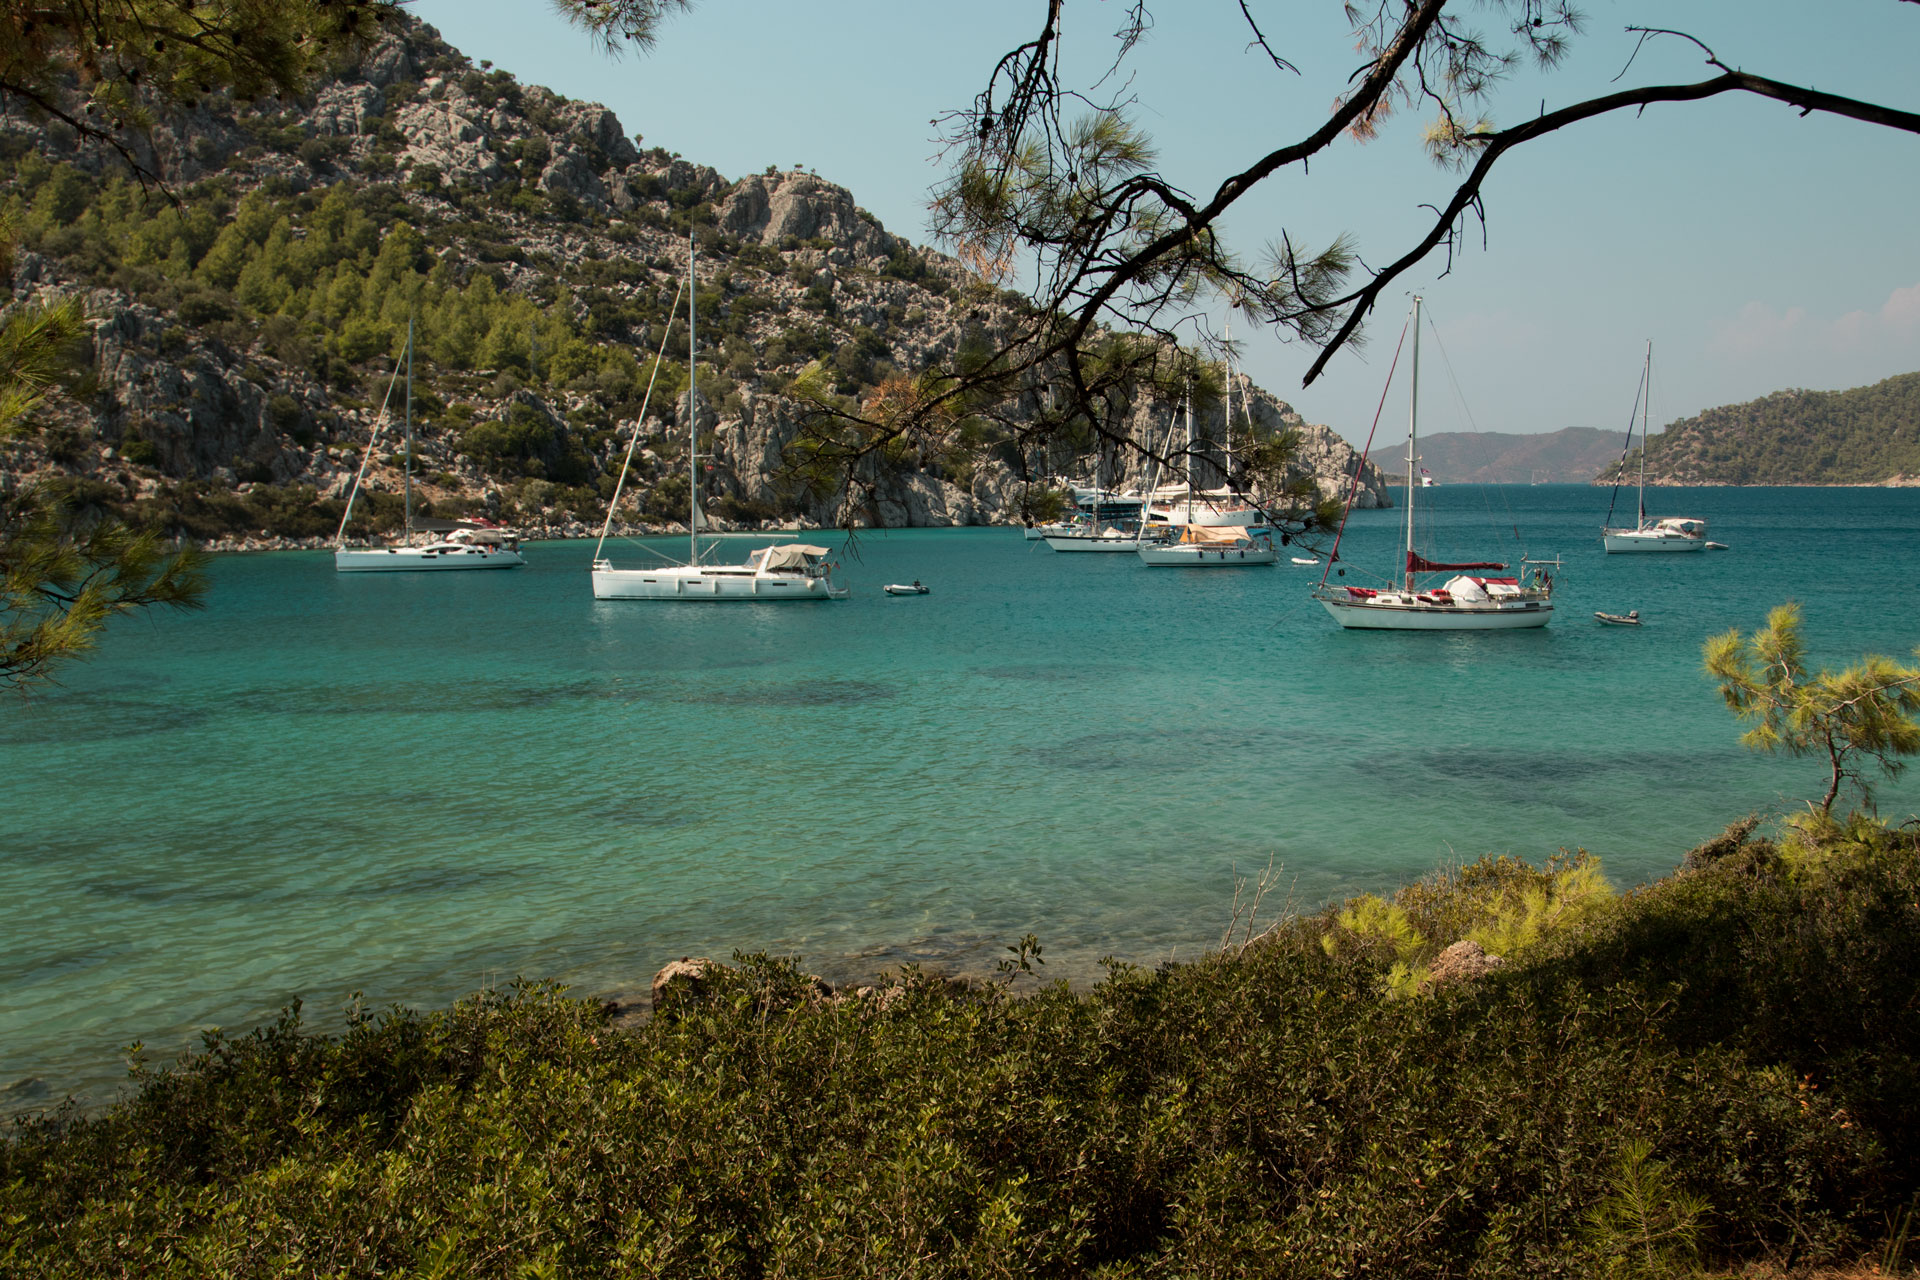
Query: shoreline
point(567, 533)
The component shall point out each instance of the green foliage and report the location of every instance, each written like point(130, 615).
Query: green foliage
point(104, 68)
point(1502, 903)
point(1044, 506)
point(1384, 927)
point(34, 353)
point(1645, 1227)
point(204, 511)
point(1863, 435)
point(1862, 714)
point(1724, 1066)
point(525, 442)
point(343, 273)
point(64, 572)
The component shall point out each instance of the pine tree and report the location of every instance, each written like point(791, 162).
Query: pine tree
point(1862, 715)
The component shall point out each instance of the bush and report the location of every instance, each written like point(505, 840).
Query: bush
point(526, 442)
point(1271, 1111)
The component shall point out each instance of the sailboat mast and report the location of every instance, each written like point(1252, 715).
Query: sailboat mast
point(1413, 433)
point(1646, 403)
point(1189, 460)
point(407, 534)
point(1229, 445)
point(693, 419)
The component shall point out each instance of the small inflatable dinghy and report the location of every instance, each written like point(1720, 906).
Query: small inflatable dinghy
point(905, 588)
point(1631, 618)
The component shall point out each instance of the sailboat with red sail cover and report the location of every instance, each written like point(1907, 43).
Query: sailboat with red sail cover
point(1473, 599)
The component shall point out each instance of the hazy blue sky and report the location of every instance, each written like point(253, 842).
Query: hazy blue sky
point(1758, 250)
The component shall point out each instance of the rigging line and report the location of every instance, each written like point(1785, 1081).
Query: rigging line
point(379, 425)
point(1620, 468)
point(1466, 411)
point(614, 504)
point(1361, 464)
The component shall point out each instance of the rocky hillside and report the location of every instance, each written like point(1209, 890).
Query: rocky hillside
point(1572, 455)
point(1867, 435)
point(245, 332)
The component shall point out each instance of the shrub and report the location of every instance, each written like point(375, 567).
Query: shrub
point(1266, 1111)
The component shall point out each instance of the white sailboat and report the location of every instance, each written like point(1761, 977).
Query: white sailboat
point(1468, 601)
point(467, 544)
point(1220, 508)
point(791, 571)
point(1106, 521)
point(1198, 544)
point(1673, 533)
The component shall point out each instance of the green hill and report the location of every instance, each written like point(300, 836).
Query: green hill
point(244, 330)
point(1867, 435)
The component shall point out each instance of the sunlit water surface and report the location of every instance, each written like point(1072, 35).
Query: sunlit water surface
point(416, 785)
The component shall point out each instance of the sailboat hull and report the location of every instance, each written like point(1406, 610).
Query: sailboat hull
point(1192, 557)
point(421, 559)
point(709, 584)
point(1651, 540)
point(1078, 542)
point(1367, 616)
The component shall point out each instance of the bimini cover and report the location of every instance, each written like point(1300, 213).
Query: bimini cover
point(1212, 535)
point(1682, 524)
point(791, 556)
point(1466, 590)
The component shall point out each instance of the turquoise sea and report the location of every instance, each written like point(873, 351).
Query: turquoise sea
point(415, 785)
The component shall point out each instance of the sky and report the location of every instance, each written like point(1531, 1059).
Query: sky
point(1757, 250)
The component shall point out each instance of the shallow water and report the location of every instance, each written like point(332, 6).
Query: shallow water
point(415, 785)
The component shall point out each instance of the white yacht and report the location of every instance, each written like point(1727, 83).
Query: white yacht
point(790, 571)
point(1085, 535)
point(1673, 533)
point(452, 552)
point(1209, 508)
point(468, 544)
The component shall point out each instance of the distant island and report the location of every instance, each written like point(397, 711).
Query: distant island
point(1866, 435)
point(1571, 455)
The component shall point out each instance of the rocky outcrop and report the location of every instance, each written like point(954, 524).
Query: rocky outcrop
point(1462, 962)
point(774, 208)
point(457, 144)
point(551, 199)
point(686, 980)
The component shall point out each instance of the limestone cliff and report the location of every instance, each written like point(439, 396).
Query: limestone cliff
point(244, 340)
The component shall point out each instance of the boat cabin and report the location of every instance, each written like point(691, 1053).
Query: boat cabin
point(791, 557)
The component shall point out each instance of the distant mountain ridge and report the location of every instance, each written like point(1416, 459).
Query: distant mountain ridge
point(1865, 435)
point(1571, 455)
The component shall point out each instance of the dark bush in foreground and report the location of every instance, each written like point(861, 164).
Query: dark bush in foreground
point(1719, 1067)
